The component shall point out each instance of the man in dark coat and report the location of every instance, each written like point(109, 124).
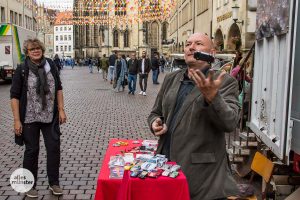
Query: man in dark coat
point(155, 62)
point(144, 69)
point(112, 61)
point(193, 110)
point(133, 69)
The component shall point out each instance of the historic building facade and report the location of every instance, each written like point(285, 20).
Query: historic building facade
point(44, 27)
point(93, 40)
point(190, 16)
point(234, 24)
point(64, 35)
point(19, 12)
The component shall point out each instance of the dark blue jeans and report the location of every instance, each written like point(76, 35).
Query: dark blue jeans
point(154, 76)
point(132, 82)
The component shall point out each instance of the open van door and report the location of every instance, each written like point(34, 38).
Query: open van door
point(273, 75)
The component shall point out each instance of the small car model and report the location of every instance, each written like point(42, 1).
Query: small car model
point(166, 167)
point(166, 173)
point(143, 174)
point(135, 173)
point(174, 174)
point(155, 173)
point(148, 166)
point(135, 168)
point(175, 168)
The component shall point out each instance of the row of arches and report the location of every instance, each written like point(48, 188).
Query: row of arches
point(233, 42)
point(116, 39)
point(151, 34)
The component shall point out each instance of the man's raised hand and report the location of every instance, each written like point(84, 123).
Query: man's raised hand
point(208, 86)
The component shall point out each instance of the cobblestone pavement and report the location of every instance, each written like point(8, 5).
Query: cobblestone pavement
point(95, 114)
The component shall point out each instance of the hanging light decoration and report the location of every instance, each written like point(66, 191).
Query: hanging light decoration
point(113, 12)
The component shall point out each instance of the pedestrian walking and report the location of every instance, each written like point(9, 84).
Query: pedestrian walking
point(112, 61)
point(144, 69)
point(72, 63)
point(155, 63)
point(127, 58)
point(57, 62)
point(90, 64)
point(125, 81)
point(120, 70)
point(133, 69)
point(193, 110)
point(37, 105)
point(162, 64)
point(104, 66)
point(99, 63)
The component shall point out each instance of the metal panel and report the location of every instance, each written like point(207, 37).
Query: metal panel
point(271, 89)
point(295, 99)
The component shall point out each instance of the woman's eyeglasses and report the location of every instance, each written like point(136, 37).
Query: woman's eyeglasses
point(35, 49)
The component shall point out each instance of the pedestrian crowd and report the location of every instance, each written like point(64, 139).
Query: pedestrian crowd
point(121, 70)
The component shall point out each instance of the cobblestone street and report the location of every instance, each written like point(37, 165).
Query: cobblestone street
point(95, 114)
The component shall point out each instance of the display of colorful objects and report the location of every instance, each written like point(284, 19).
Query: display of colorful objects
point(142, 162)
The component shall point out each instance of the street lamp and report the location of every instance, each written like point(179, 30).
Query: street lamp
point(235, 14)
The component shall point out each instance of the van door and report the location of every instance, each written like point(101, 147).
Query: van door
point(273, 66)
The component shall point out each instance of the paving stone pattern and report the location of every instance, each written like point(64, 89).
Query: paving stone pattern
point(95, 114)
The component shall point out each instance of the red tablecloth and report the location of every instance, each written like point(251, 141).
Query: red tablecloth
point(161, 188)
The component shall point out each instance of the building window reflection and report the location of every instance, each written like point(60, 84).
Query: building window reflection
point(116, 38)
point(126, 38)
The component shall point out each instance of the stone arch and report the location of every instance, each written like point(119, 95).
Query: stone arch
point(164, 31)
point(116, 38)
point(219, 40)
point(126, 38)
point(154, 35)
point(234, 39)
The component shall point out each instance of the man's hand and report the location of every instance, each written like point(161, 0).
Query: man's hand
point(208, 87)
point(62, 117)
point(18, 127)
point(158, 127)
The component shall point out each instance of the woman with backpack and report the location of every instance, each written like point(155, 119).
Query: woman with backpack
point(37, 105)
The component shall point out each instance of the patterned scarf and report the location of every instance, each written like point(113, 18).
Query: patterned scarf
point(42, 84)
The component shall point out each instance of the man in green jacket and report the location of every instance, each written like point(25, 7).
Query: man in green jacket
point(104, 66)
point(193, 110)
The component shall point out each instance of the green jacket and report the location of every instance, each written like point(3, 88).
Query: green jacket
point(104, 64)
point(198, 140)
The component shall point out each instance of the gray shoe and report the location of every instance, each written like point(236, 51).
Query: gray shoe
point(33, 193)
point(56, 190)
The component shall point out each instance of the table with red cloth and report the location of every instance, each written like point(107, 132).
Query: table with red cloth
point(129, 188)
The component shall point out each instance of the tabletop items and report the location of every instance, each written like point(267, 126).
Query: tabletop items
point(142, 162)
